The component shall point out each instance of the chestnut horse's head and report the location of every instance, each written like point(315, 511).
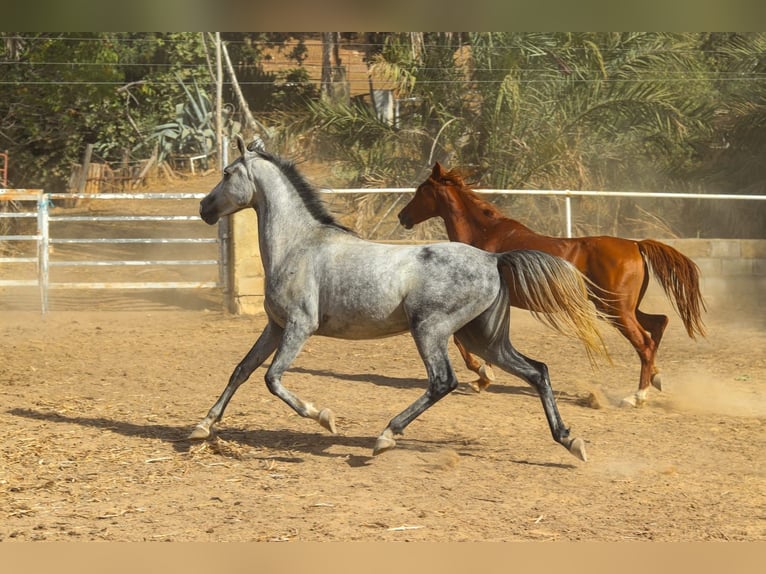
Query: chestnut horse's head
point(425, 203)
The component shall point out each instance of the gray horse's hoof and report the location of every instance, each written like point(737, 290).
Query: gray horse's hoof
point(199, 433)
point(385, 442)
point(657, 381)
point(327, 420)
point(577, 448)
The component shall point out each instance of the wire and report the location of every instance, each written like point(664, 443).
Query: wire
point(466, 82)
point(348, 44)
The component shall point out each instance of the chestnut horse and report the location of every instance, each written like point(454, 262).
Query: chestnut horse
point(618, 268)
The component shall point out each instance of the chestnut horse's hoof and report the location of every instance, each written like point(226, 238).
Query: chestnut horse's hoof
point(629, 402)
point(638, 399)
point(486, 374)
point(486, 377)
point(657, 381)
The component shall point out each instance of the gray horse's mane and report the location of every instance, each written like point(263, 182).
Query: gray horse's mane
point(307, 192)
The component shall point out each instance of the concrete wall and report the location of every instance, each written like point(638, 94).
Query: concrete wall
point(733, 270)
point(247, 281)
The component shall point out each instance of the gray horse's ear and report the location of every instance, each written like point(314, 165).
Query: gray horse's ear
point(241, 145)
point(256, 145)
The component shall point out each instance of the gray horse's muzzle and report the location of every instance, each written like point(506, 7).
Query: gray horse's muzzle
point(207, 210)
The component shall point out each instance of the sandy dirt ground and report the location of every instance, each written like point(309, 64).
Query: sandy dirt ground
point(97, 404)
point(99, 395)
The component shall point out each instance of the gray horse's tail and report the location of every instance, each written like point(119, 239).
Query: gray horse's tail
point(556, 293)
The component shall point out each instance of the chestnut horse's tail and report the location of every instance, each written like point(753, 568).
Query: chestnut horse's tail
point(679, 277)
point(556, 293)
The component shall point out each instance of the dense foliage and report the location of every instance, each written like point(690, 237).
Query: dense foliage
point(605, 111)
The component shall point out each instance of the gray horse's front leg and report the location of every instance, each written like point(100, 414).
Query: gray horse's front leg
point(293, 339)
point(261, 350)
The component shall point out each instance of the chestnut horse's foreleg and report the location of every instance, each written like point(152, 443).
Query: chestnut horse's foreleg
point(484, 370)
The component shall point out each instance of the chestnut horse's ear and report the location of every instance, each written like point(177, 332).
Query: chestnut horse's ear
point(436, 173)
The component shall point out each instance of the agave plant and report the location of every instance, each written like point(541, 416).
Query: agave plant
point(192, 132)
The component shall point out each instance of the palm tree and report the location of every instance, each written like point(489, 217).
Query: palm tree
point(619, 111)
point(576, 109)
point(733, 157)
point(584, 111)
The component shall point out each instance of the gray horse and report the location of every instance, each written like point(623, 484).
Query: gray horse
point(322, 279)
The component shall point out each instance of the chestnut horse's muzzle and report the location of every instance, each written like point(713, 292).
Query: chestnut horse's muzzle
point(405, 220)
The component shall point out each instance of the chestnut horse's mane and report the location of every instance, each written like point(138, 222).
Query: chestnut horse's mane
point(487, 208)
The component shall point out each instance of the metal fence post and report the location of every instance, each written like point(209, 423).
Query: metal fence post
point(43, 203)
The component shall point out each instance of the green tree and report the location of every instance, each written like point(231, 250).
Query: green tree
point(62, 91)
point(732, 158)
point(54, 95)
point(585, 110)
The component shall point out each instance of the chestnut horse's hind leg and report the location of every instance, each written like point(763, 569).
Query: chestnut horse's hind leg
point(644, 344)
point(484, 370)
point(655, 325)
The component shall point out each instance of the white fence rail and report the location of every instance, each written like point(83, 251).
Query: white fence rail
point(45, 241)
point(567, 194)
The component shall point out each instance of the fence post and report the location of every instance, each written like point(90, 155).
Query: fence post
point(568, 203)
point(226, 267)
point(43, 203)
point(85, 168)
point(224, 261)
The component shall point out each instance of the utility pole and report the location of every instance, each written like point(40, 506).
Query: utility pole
point(219, 100)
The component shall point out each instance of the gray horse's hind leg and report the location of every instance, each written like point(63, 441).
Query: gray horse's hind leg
point(261, 350)
point(497, 349)
point(441, 381)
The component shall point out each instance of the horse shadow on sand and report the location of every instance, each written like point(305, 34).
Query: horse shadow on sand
point(261, 442)
point(502, 387)
point(292, 441)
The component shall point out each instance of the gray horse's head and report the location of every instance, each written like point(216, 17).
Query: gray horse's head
point(234, 192)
